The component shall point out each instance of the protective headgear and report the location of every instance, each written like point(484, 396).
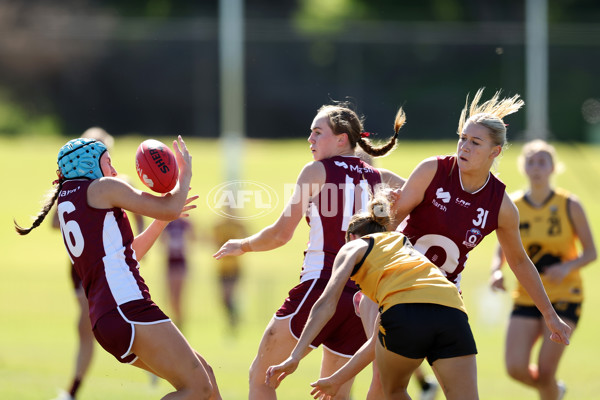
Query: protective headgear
point(80, 158)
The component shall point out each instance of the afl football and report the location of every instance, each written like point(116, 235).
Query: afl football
point(156, 166)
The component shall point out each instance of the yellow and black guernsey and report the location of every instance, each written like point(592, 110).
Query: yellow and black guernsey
point(548, 238)
point(393, 272)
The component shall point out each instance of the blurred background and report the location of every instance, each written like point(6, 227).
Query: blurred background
point(260, 69)
point(151, 67)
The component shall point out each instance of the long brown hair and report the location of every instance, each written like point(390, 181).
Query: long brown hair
point(48, 203)
point(343, 119)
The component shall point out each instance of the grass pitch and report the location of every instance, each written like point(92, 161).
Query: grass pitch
point(38, 310)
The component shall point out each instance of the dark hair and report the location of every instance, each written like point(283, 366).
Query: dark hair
point(50, 199)
point(376, 219)
point(343, 119)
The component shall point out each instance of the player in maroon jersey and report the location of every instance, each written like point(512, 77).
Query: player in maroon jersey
point(85, 348)
point(452, 202)
point(449, 204)
point(329, 191)
point(91, 205)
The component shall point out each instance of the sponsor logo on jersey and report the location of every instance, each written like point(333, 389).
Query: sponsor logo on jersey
point(64, 193)
point(462, 203)
point(360, 169)
point(341, 164)
point(444, 196)
point(472, 238)
point(438, 205)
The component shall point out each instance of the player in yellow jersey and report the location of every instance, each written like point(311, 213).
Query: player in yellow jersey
point(551, 222)
point(229, 268)
point(422, 314)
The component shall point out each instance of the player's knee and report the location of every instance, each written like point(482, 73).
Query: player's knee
point(517, 371)
point(201, 390)
point(546, 377)
point(256, 375)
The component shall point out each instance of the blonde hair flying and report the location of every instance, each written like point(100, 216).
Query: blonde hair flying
point(490, 114)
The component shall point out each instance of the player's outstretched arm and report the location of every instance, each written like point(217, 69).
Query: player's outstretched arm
point(310, 181)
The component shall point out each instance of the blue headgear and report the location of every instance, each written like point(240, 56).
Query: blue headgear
point(80, 158)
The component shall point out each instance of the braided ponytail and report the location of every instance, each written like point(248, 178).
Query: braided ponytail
point(50, 199)
point(368, 147)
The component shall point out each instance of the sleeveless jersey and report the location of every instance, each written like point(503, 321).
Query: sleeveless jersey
point(98, 242)
point(548, 237)
point(450, 221)
point(348, 186)
point(393, 272)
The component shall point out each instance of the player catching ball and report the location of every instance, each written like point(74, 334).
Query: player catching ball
point(100, 242)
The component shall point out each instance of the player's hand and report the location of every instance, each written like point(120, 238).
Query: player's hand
point(183, 156)
point(556, 273)
point(497, 281)
point(560, 330)
point(276, 373)
point(325, 389)
point(187, 207)
point(393, 197)
point(232, 247)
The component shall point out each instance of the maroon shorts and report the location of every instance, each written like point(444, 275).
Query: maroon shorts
point(115, 330)
point(176, 264)
point(343, 334)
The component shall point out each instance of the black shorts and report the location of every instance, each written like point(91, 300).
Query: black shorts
point(424, 330)
point(564, 309)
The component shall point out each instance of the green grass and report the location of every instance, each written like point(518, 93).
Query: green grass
point(37, 308)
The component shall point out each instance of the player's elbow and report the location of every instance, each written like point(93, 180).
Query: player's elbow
point(592, 255)
point(282, 237)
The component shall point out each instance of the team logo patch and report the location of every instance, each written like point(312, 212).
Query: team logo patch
point(472, 238)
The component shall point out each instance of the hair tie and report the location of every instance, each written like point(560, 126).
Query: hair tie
point(365, 134)
point(60, 177)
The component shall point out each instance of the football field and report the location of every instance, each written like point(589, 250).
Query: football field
point(38, 308)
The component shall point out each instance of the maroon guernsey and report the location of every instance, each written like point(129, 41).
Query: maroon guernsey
point(99, 244)
point(450, 222)
point(348, 186)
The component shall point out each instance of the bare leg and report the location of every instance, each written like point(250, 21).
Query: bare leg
point(86, 339)
point(548, 360)
point(520, 338)
point(228, 289)
point(176, 280)
point(162, 349)
point(458, 377)
point(275, 346)
point(395, 371)
point(368, 314)
point(332, 362)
